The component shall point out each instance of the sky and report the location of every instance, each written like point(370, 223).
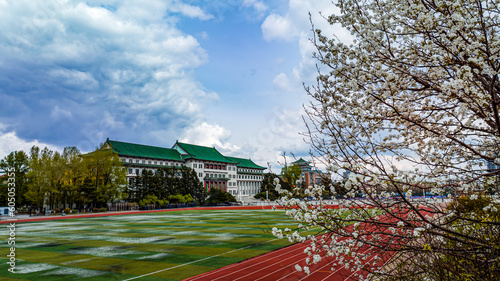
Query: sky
point(222, 73)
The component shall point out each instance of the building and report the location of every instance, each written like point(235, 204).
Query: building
point(308, 176)
point(238, 176)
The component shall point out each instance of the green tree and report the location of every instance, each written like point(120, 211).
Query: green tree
point(107, 174)
point(290, 175)
point(74, 176)
point(193, 185)
point(167, 182)
point(267, 185)
point(39, 184)
point(19, 161)
point(220, 196)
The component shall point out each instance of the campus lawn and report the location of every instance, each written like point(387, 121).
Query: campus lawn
point(177, 244)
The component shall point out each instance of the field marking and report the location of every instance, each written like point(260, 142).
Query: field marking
point(260, 269)
point(235, 264)
point(177, 266)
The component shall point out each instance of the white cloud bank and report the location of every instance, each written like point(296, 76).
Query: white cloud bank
point(75, 72)
point(9, 142)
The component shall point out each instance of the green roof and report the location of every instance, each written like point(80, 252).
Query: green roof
point(145, 151)
point(301, 161)
point(245, 163)
point(200, 152)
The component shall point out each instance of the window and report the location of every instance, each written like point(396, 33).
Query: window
point(149, 162)
point(143, 161)
point(161, 163)
point(195, 166)
point(200, 175)
point(136, 171)
point(155, 162)
point(129, 171)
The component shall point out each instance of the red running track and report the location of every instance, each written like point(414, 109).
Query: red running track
point(280, 265)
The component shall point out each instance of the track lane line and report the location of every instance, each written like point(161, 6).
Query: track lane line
point(188, 263)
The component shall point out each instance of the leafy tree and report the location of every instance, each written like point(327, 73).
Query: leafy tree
point(195, 187)
point(19, 161)
point(181, 198)
point(268, 186)
point(168, 182)
point(152, 199)
point(105, 169)
point(220, 196)
point(74, 175)
point(290, 175)
point(39, 176)
point(411, 104)
point(87, 192)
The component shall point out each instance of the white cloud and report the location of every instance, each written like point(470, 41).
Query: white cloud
point(278, 134)
point(295, 24)
point(278, 27)
point(95, 63)
point(74, 78)
point(210, 135)
point(9, 142)
point(190, 11)
point(283, 84)
point(259, 6)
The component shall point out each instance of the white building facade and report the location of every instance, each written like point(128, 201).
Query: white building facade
point(239, 176)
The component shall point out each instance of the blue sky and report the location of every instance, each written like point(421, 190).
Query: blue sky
point(219, 73)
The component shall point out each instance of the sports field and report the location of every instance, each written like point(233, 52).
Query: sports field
point(155, 246)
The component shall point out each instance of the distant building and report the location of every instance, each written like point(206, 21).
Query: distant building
point(238, 176)
point(309, 176)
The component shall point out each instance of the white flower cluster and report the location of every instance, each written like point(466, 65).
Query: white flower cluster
point(403, 111)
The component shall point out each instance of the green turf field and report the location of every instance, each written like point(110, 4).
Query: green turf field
point(127, 246)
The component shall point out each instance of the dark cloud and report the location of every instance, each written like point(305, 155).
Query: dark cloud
point(76, 73)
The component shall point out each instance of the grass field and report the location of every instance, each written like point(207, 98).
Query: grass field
point(177, 244)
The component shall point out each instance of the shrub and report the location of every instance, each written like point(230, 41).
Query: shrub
point(57, 210)
point(74, 211)
point(271, 196)
point(95, 210)
point(220, 196)
point(67, 210)
point(103, 209)
point(467, 206)
point(188, 198)
point(177, 198)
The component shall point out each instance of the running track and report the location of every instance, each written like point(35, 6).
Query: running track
point(279, 265)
